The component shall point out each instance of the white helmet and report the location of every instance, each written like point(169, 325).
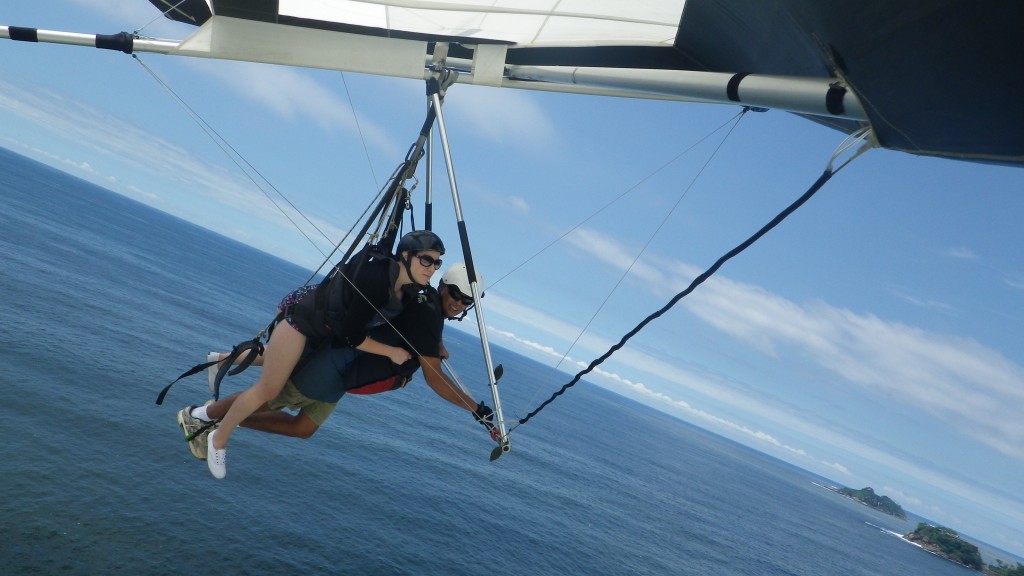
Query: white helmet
point(457, 275)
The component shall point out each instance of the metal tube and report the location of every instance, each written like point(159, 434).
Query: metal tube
point(428, 207)
point(474, 285)
point(816, 96)
point(90, 40)
point(793, 94)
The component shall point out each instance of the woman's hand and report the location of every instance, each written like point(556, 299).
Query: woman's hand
point(399, 355)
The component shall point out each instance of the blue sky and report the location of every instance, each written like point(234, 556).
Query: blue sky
point(872, 338)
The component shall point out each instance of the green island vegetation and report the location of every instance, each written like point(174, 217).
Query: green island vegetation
point(882, 503)
point(946, 543)
point(939, 540)
point(1002, 569)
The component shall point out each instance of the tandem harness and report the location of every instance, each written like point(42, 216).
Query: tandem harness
point(313, 314)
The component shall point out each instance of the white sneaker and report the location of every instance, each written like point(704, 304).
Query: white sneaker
point(211, 372)
point(216, 460)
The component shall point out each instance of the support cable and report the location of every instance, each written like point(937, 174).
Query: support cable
point(825, 177)
point(359, 128)
point(237, 158)
point(650, 238)
point(403, 171)
point(625, 193)
point(164, 14)
point(734, 121)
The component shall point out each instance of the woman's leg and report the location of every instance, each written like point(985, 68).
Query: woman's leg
point(281, 355)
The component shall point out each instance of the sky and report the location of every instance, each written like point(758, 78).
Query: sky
point(872, 338)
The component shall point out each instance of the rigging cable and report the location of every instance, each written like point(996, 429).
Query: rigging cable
point(359, 129)
point(236, 158)
point(224, 145)
point(668, 214)
point(732, 122)
point(165, 14)
point(830, 171)
point(218, 140)
point(623, 195)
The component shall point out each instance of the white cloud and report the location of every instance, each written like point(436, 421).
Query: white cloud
point(639, 390)
point(967, 385)
point(295, 94)
point(772, 413)
point(519, 203)
point(962, 253)
point(1016, 282)
point(543, 321)
point(837, 467)
point(972, 388)
point(504, 117)
point(154, 160)
point(605, 248)
point(900, 496)
point(930, 304)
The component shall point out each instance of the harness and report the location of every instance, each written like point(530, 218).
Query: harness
point(316, 315)
point(320, 318)
point(373, 374)
point(320, 313)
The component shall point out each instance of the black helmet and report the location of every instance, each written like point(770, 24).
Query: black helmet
point(418, 241)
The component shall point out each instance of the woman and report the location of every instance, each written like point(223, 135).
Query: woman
point(344, 312)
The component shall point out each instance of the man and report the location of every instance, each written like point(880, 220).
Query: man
point(315, 388)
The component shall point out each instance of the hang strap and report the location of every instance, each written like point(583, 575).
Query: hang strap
point(251, 348)
point(193, 370)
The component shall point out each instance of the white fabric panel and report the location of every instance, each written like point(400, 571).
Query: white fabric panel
point(524, 22)
point(247, 40)
point(489, 64)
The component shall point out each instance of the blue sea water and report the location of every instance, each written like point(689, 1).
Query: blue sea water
point(105, 300)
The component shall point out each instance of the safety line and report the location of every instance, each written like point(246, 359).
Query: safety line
point(650, 238)
point(829, 172)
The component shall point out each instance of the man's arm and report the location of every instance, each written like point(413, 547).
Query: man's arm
point(442, 386)
point(448, 390)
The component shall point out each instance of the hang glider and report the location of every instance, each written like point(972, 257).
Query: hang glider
point(937, 78)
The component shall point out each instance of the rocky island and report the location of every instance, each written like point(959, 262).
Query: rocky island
point(942, 542)
point(867, 496)
point(947, 544)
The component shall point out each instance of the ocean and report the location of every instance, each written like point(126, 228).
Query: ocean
point(105, 300)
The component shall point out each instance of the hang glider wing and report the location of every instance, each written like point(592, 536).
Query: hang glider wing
point(936, 78)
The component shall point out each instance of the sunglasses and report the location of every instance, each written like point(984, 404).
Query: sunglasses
point(428, 261)
point(457, 294)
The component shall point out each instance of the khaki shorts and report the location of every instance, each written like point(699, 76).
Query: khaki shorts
point(291, 398)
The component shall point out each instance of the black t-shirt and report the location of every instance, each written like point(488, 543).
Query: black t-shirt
point(332, 371)
point(375, 297)
point(420, 323)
